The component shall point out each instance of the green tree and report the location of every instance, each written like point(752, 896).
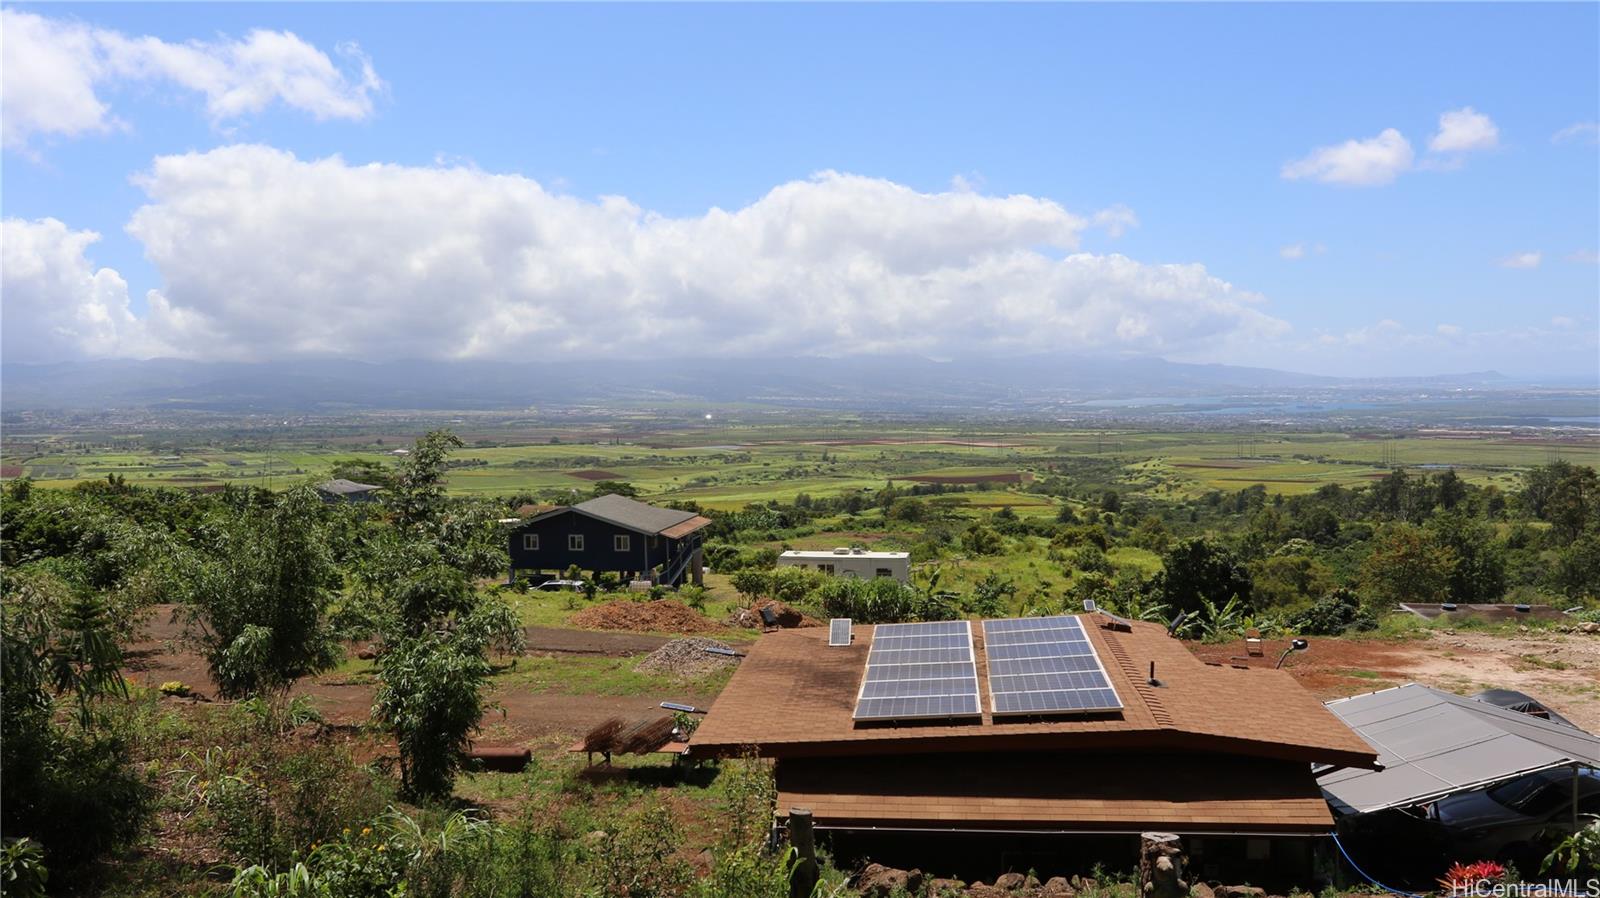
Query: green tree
point(1289, 579)
point(1197, 571)
point(1577, 569)
point(364, 470)
point(417, 496)
point(67, 779)
point(1479, 571)
point(259, 601)
point(992, 596)
point(430, 696)
point(1407, 565)
point(751, 584)
point(981, 539)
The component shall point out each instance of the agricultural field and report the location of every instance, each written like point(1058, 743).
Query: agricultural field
point(733, 467)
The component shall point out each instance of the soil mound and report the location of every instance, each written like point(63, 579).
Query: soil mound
point(661, 615)
point(785, 617)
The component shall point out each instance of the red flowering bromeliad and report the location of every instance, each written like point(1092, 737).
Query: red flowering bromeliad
point(1460, 878)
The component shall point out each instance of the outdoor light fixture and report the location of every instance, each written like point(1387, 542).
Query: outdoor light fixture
point(1299, 645)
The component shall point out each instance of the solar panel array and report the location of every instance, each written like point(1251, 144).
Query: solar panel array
point(1045, 665)
point(920, 670)
point(839, 631)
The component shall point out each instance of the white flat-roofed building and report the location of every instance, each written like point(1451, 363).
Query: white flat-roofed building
point(857, 563)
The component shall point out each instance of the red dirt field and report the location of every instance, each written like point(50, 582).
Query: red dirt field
point(1559, 669)
point(594, 474)
point(8, 471)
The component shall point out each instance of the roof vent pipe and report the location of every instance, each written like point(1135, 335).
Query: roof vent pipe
point(1153, 681)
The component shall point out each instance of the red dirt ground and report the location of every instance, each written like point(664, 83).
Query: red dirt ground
point(659, 616)
point(1559, 669)
point(345, 699)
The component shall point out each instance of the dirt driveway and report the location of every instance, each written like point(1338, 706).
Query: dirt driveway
point(523, 716)
point(1560, 669)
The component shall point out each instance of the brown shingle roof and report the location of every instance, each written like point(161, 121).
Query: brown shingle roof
point(678, 531)
point(1124, 792)
point(794, 695)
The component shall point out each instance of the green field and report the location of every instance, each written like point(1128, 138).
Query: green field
point(733, 467)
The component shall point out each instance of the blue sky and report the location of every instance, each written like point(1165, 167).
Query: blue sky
point(1186, 115)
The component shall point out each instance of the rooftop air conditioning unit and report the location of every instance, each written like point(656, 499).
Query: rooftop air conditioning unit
point(842, 550)
point(858, 551)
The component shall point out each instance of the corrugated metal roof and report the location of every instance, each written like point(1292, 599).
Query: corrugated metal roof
point(625, 512)
point(1432, 744)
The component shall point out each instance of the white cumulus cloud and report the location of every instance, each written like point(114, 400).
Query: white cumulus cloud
point(1529, 259)
point(264, 255)
point(58, 74)
point(1464, 130)
point(56, 304)
point(1361, 163)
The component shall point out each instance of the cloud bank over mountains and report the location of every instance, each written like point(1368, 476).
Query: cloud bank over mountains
point(264, 255)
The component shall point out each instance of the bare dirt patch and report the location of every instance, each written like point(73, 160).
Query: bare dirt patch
point(1559, 669)
point(659, 616)
point(523, 716)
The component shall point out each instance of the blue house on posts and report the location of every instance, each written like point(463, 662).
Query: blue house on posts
point(612, 533)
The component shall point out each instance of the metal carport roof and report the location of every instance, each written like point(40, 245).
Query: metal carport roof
point(1432, 744)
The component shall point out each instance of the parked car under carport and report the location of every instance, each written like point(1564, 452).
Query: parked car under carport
point(1516, 820)
point(1461, 779)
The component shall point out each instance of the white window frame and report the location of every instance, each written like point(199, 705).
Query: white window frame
point(530, 542)
point(574, 542)
point(621, 542)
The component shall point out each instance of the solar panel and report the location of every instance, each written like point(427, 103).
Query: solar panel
point(1113, 621)
point(1045, 665)
point(839, 631)
point(920, 670)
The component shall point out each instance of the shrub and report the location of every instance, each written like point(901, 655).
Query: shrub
point(429, 697)
point(174, 687)
point(1334, 613)
point(693, 596)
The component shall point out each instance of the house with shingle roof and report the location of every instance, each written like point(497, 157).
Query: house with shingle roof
point(1221, 755)
point(610, 534)
point(341, 490)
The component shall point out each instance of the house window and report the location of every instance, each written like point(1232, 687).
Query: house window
point(621, 542)
point(883, 572)
point(530, 542)
point(574, 542)
point(825, 568)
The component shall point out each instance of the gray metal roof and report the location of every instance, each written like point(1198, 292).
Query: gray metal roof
point(340, 486)
point(1432, 744)
point(625, 512)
